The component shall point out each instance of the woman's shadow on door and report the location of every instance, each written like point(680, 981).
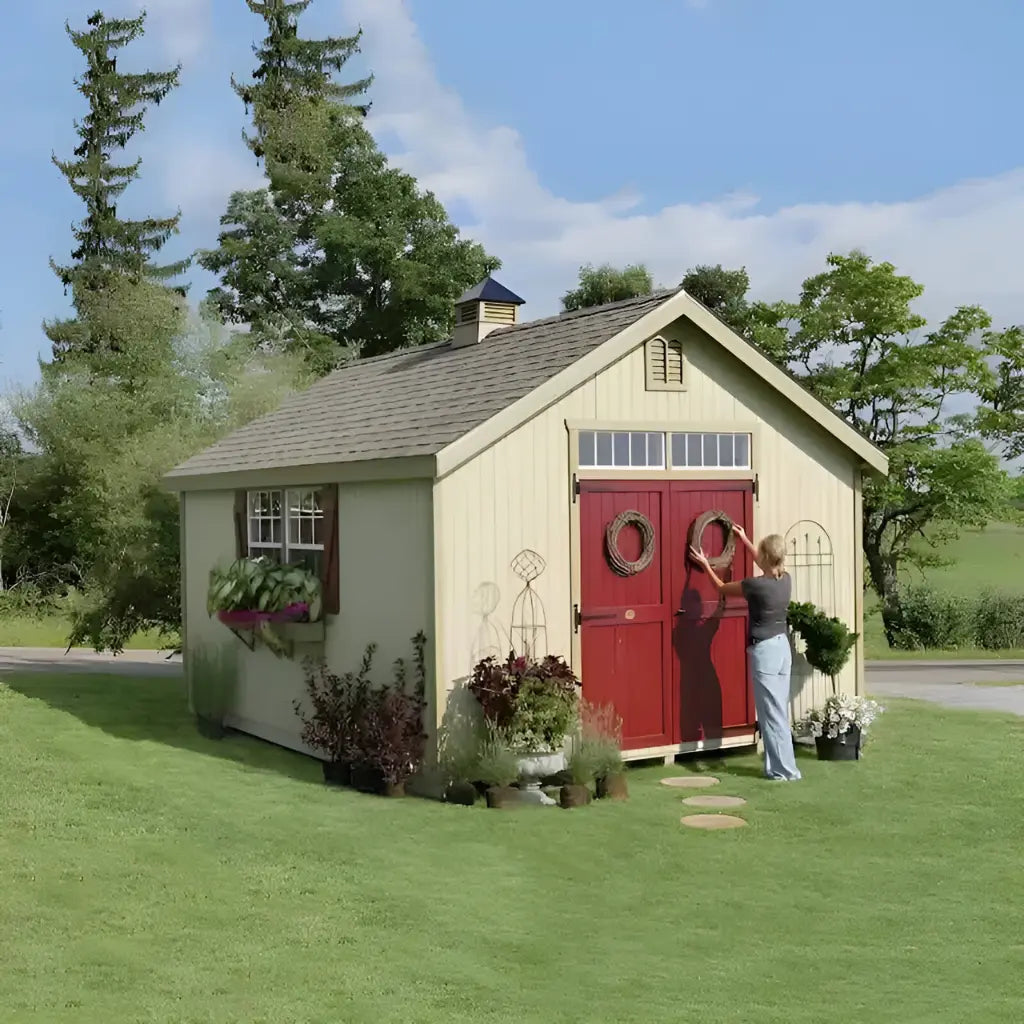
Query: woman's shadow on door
point(700, 690)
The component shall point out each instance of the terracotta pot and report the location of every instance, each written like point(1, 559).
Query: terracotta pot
point(613, 787)
point(463, 793)
point(337, 773)
point(367, 779)
point(574, 796)
point(502, 797)
point(394, 789)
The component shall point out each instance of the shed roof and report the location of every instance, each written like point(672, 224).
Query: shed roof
point(417, 401)
point(437, 398)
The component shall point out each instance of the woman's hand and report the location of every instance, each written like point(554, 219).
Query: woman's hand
point(699, 557)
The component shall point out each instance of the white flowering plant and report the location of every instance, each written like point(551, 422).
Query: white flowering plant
point(840, 713)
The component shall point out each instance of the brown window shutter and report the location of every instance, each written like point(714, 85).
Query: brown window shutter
point(329, 579)
point(241, 526)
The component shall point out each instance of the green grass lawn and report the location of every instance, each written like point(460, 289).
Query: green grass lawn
point(52, 631)
point(992, 558)
point(152, 876)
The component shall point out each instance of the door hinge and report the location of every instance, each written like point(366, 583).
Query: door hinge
point(757, 487)
point(575, 488)
point(577, 619)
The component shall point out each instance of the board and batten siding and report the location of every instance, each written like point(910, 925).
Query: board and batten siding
point(516, 494)
point(385, 547)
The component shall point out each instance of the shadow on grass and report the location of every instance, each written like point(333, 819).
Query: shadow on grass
point(743, 763)
point(154, 709)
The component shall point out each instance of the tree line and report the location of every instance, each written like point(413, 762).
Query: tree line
point(852, 338)
point(341, 256)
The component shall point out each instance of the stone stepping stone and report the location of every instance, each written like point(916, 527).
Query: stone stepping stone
point(712, 822)
point(711, 800)
point(691, 781)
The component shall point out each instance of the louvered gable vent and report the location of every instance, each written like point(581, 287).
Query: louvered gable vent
point(665, 370)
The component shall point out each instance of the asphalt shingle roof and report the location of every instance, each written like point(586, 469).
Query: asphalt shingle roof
point(417, 401)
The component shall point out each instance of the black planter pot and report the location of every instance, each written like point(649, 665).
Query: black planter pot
point(211, 728)
point(843, 748)
point(367, 779)
point(464, 793)
point(337, 773)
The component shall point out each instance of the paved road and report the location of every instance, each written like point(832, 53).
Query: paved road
point(48, 659)
point(953, 684)
point(943, 682)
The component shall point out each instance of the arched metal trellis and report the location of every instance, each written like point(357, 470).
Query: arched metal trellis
point(529, 623)
point(810, 561)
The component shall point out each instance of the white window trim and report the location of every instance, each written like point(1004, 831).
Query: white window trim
point(717, 466)
point(667, 462)
point(647, 467)
point(257, 547)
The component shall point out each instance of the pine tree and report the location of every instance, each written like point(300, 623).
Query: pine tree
point(105, 243)
point(341, 253)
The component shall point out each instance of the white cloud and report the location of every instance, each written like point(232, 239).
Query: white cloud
point(181, 26)
point(962, 241)
point(200, 176)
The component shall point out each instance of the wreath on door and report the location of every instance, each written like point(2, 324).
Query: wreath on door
point(701, 523)
point(619, 564)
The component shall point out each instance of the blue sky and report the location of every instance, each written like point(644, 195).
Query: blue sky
point(763, 133)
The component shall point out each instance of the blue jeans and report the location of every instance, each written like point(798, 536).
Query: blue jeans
point(771, 662)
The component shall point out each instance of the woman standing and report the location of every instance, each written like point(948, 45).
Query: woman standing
point(767, 598)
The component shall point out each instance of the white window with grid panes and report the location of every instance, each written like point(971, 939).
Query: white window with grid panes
point(288, 525)
point(710, 451)
point(621, 449)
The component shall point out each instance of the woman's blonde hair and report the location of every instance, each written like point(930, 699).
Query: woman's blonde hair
point(771, 552)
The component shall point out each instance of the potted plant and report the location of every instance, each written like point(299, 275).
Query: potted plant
point(581, 771)
point(840, 726)
point(393, 738)
point(497, 765)
point(535, 701)
point(212, 679)
point(601, 735)
point(255, 593)
point(335, 709)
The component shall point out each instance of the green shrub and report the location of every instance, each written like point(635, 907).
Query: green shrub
point(497, 762)
point(936, 619)
point(999, 620)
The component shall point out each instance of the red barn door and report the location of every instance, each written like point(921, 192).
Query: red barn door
point(626, 622)
point(659, 645)
point(709, 635)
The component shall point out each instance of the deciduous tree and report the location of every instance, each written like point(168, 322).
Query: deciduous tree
point(855, 341)
point(600, 285)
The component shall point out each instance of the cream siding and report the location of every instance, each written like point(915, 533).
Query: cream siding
point(386, 582)
point(517, 494)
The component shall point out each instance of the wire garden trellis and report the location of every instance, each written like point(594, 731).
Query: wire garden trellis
point(810, 561)
point(529, 631)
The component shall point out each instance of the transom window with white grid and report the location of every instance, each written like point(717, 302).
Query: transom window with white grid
point(288, 526)
point(644, 449)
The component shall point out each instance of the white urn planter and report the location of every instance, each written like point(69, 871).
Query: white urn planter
point(533, 768)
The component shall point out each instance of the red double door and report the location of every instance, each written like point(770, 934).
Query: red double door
point(660, 645)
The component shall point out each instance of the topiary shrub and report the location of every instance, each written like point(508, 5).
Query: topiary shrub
point(828, 640)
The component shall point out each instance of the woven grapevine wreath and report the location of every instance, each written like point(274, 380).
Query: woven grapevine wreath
point(623, 566)
point(701, 523)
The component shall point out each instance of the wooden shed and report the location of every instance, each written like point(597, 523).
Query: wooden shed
point(466, 489)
